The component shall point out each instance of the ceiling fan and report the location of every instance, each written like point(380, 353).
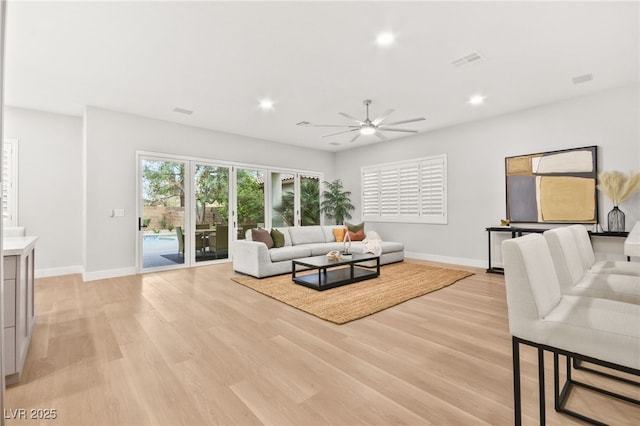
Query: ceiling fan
point(367, 126)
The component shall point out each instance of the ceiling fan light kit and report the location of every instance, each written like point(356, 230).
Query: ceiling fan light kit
point(367, 126)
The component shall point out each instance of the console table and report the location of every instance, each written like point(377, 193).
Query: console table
point(519, 231)
point(515, 232)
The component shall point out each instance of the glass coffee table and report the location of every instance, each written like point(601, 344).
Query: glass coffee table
point(334, 273)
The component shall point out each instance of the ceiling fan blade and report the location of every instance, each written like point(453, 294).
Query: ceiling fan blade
point(350, 117)
point(306, 123)
point(355, 137)
point(345, 131)
point(381, 136)
point(411, 120)
point(380, 119)
point(332, 125)
point(386, 129)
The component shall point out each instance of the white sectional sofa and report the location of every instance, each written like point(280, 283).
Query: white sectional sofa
point(255, 259)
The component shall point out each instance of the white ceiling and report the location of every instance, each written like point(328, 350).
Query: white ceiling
point(313, 59)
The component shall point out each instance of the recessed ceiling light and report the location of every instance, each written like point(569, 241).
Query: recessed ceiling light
point(476, 99)
point(385, 39)
point(266, 104)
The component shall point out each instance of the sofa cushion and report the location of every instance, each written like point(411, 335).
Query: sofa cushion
point(278, 238)
point(386, 246)
point(306, 235)
point(289, 252)
point(318, 249)
point(391, 246)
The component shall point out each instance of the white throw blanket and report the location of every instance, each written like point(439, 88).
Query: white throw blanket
point(372, 244)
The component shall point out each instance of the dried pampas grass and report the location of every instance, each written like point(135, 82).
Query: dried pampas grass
point(617, 186)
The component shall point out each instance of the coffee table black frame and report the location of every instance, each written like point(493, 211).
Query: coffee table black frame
point(330, 278)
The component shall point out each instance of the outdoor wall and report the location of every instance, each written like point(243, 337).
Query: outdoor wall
point(49, 186)
point(110, 142)
point(476, 152)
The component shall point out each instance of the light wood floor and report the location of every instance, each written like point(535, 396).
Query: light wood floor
point(191, 347)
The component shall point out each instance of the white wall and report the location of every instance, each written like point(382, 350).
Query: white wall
point(476, 152)
point(51, 173)
point(49, 186)
point(110, 142)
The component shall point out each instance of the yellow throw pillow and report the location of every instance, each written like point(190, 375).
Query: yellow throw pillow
point(339, 233)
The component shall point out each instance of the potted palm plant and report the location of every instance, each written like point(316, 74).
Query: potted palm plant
point(336, 202)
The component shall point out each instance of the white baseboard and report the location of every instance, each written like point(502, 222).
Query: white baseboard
point(55, 272)
point(446, 259)
point(110, 273)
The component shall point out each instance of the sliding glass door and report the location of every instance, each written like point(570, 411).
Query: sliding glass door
point(295, 199)
point(250, 200)
point(211, 212)
point(161, 220)
point(309, 200)
point(191, 210)
point(283, 199)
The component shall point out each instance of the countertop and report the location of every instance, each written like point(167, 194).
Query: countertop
point(15, 246)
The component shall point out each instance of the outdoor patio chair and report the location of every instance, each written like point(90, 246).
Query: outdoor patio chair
point(244, 228)
point(219, 243)
point(180, 240)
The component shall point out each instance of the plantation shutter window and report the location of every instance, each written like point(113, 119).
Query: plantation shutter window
point(432, 199)
point(408, 191)
point(389, 192)
point(371, 191)
point(9, 184)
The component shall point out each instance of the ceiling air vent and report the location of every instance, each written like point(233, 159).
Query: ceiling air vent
point(582, 78)
point(182, 111)
point(470, 58)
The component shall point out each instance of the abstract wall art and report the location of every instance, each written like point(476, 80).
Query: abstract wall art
point(553, 187)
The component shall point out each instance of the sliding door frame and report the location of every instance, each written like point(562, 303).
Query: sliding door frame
point(149, 156)
point(189, 190)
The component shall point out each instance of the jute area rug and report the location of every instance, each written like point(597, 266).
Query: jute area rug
point(397, 283)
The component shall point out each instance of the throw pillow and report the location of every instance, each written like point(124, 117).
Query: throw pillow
point(339, 233)
point(357, 236)
point(354, 228)
point(263, 236)
point(278, 238)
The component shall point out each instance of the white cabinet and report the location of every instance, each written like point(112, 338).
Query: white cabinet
point(19, 309)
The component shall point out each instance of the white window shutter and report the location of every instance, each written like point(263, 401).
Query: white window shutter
point(8, 185)
point(432, 200)
point(408, 190)
point(389, 192)
point(371, 193)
